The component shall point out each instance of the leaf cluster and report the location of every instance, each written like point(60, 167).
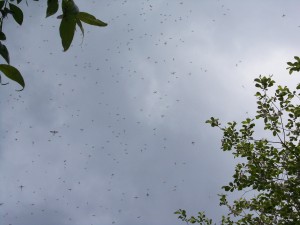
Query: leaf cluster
point(9, 8)
point(69, 19)
point(295, 66)
point(268, 176)
point(201, 218)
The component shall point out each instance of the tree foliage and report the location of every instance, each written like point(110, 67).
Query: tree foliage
point(268, 175)
point(71, 17)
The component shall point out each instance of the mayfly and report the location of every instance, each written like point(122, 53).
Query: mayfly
point(53, 132)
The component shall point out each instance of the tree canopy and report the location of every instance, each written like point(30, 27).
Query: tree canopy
point(268, 175)
point(71, 16)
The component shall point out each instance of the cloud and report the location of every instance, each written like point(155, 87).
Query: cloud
point(130, 105)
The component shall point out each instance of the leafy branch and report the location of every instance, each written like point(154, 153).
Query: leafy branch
point(69, 19)
point(269, 172)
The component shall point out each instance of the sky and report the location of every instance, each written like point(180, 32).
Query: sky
point(129, 103)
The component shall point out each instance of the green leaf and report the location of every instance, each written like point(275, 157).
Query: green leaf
point(2, 36)
point(1, 4)
point(13, 74)
point(226, 188)
point(19, 1)
point(69, 8)
point(192, 220)
point(178, 211)
point(80, 26)
point(67, 30)
point(52, 7)
point(4, 52)
point(16, 13)
point(90, 19)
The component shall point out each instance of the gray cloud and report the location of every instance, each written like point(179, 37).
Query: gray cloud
point(129, 105)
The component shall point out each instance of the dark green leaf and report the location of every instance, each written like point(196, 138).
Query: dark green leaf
point(4, 52)
point(90, 19)
point(16, 13)
point(13, 74)
point(67, 30)
point(2, 36)
point(69, 8)
point(52, 7)
point(1, 4)
point(226, 188)
point(80, 26)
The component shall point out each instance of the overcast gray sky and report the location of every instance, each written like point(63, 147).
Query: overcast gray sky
point(129, 104)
